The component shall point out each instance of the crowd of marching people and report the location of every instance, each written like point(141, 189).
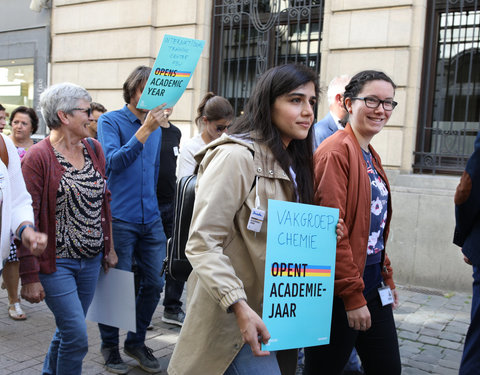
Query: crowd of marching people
point(98, 193)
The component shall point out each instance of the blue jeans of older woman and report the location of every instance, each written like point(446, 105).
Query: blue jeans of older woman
point(68, 294)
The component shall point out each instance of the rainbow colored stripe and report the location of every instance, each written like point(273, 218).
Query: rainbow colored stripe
point(323, 271)
point(310, 270)
point(183, 74)
point(177, 74)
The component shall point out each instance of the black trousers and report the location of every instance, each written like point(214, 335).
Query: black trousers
point(377, 347)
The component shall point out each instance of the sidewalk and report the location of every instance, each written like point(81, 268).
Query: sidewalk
point(431, 329)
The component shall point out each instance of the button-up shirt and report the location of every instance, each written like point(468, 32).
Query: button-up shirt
point(132, 167)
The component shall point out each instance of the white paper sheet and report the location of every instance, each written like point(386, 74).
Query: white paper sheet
point(114, 300)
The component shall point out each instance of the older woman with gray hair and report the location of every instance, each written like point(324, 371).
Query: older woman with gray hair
point(65, 175)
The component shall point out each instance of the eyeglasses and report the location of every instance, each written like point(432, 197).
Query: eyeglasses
point(371, 102)
point(88, 111)
point(222, 128)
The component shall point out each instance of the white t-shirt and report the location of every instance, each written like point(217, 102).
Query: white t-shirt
point(186, 163)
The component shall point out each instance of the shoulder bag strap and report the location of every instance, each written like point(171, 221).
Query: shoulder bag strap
point(92, 145)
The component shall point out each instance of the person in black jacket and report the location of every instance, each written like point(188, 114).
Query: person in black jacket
point(467, 236)
point(173, 313)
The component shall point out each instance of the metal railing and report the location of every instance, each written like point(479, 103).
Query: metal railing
point(250, 36)
point(449, 116)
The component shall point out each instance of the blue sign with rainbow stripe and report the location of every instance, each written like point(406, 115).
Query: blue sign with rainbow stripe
point(171, 72)
point(299, 274)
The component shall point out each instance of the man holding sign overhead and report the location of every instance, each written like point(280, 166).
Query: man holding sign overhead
point(131, 139)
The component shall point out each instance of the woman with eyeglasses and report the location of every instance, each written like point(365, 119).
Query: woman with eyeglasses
point(349, 176)
point(214, 116)
point(65, 174)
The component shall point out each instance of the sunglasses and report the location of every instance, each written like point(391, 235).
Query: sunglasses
point(88, 111)
point(222, 128)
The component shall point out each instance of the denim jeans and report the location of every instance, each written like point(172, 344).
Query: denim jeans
point(173, 288)
point(145, 243)
point(68, 294)
point(245, 363)
point(471, 354)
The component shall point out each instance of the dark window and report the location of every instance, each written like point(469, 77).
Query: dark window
point(249, 37)
point(450, 95)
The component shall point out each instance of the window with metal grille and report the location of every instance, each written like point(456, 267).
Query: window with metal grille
point(450, 95)
point(251, 36)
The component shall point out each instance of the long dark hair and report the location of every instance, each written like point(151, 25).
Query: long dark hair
point(257, 117)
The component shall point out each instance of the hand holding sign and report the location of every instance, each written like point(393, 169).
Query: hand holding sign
point(341, 229)
point(155, 118)
point(252, 327)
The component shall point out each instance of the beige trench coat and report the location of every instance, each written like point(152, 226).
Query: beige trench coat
point(228, 260)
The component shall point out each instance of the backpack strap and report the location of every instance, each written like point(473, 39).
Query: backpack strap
point(96, 158)
point(3, 151)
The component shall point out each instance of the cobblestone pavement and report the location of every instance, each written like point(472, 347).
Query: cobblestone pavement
point(431, 329)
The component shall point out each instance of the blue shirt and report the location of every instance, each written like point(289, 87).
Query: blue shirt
point(132, 167)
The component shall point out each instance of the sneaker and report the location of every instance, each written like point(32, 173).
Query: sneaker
point(174, 318)
point(113, 362)
point(144, 356)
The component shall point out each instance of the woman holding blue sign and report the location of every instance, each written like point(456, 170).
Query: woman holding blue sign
point(349, 175)
point(266, 156)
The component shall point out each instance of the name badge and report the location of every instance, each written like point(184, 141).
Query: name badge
point(256, 220)
point(386, 295)
point(175, 151)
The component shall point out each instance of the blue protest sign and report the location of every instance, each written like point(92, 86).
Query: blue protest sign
point(171, 72)
point(299, 274)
